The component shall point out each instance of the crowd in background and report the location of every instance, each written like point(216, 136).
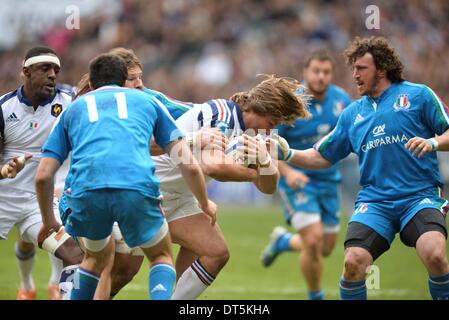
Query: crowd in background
point(194, 50)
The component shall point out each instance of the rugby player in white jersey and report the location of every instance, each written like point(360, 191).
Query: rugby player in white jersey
point(27, 115)
point(203, 249)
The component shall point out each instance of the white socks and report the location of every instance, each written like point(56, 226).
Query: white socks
point(56, 269)
point(25, 261)
point(192, 282)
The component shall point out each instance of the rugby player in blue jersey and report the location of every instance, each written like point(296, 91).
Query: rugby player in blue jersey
point(112, 177)
point(395, 129)
point(310, 197)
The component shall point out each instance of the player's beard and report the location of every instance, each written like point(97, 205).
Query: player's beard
point(373, 88)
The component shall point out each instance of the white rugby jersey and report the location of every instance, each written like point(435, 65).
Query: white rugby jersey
point(206, 115)
point(25, 130)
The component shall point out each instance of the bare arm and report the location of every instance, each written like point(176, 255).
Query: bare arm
point(45, 176)
point(267, 178)
point(206, 138)
point(309, 159)
point(443, 141)
point(255, 150)
point(420, 146)
point(219, 166)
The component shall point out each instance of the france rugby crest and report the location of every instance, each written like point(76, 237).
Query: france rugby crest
point(401, 103)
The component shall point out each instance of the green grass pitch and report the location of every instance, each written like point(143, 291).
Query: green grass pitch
point(247, 231)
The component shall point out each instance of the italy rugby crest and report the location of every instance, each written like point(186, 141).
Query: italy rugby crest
point(338, 108)
point(401, 103)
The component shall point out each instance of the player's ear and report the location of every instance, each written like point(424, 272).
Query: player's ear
point(382, 73)
point(26, 72)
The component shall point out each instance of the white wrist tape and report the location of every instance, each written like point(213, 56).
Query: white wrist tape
point(434, 143)
point(55, 240)
point(266, 162)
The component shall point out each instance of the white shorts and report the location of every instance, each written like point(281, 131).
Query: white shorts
point(179, 205)
point(21, 210)
point(122, 247)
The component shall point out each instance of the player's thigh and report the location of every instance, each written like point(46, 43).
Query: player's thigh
point(359, 235)
point(382, 217)
point(425, 220)
point(196, 233)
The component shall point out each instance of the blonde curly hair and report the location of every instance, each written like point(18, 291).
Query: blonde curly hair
point(279, 97)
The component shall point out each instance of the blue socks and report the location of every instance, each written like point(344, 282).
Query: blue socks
point(282, 244)
point(439, 286)
point(84, 285)
point(352, 290)
point(161, 281)
point(316, 295)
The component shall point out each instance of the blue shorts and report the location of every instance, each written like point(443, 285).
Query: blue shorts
point(389, 217)
point(92, 214)
point(313, 198)
point(64, 209)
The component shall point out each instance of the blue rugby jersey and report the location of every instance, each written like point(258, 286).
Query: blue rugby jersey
point(109, 132)
point(306, 132)
point(376, 129)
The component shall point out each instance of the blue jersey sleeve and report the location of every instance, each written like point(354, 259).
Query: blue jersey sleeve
point(57, 145)
point(435, 113)
point(336, 144)
point(165, 130)
point(282, 130)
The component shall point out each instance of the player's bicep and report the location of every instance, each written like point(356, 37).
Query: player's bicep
point(435, 112)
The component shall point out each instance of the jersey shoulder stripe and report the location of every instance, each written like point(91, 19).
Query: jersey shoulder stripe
point(321, 144)
point(442, 109)
point(170, 102)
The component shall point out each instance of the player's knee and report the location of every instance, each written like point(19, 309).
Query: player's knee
point(25, 247)
point(355, 264)
point(223, 255)
point(220, 255)
point(313, 244)
point(435, 258)
point(327, 250)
